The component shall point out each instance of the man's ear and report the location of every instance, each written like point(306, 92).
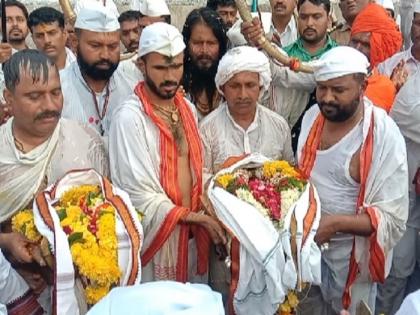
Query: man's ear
point(8, 97)
point(140, 64)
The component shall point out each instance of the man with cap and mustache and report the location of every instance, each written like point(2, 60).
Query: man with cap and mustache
point(356, 157)
point(37, 148)
point(156, 156)
point(94, 85)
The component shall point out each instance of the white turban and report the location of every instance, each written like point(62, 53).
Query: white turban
point(243, 58)
point(93, 16)
point(162, 38)
point(160, 298)
point(340, 61)
point(154, 8)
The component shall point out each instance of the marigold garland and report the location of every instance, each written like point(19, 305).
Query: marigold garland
point(89, 223)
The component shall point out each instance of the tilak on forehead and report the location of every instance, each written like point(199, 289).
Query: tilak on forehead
point(162, 38)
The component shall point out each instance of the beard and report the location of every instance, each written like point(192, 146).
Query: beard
point(93, 71)
point(202, 77)
point(159, 90)
point(339, 113)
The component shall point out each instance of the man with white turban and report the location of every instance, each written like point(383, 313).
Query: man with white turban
point(94, 85)
point(241, 125)
point(356, 157)
point(156, 156)
point(161, 298)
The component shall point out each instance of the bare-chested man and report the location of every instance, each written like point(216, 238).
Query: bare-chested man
point(155, 152)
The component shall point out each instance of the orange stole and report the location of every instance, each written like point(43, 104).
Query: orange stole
point(169, 182)
point(306, 163)
point(381, 91)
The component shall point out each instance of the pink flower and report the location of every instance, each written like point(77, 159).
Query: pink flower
point(91, 120)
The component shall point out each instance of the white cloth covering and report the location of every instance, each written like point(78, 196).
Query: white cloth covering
point(130, 70)
point(411, 304)
point(93, 15)
point(240, 59)
point(154, 8)
point(135, 158)
point(64, 286)
point(78, 100)
point(386, 193)
point(222, 137)
point(161, 298)
point(288, 36)
point(23, 175)
point(340, 61)
point(417, 7)
point(162, 38)
point(266, 270)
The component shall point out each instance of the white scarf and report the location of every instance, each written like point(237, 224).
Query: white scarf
point(18, 190)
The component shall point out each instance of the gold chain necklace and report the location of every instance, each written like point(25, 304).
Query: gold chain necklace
point(171, 114)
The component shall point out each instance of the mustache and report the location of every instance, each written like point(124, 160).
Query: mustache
point(204, 56)
point(47, 114)
point(279, 6)
point(322, 104)
point(168, 84)
point(309, 29)
point(15, 28)
point(48, 47)
point(103, 61)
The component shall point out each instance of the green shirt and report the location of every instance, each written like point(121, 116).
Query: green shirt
point(298, 51)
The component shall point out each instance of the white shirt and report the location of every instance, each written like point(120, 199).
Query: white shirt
point(70, 58)
point(222, 137)
point(79, 103)
point(412, 64)
point(289, 35)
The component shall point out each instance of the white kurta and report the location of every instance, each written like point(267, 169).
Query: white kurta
point(411, 64)
point(22, 175)
point(222, 137)
point(289, 92)
point(79, 103)
point(130, 70)
point(134, 154)
point(386, 193)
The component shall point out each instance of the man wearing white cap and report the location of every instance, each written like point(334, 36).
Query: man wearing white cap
point(156, 156)
point(356, 157)
point(151, 11)
point(93, 86)
point(408, 59)
point(241, 125)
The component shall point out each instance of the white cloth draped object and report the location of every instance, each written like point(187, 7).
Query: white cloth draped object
point(222, 137)
point(386, 193)
point(162, 38)
point(267, 270)
point(240, 59)
point(161, 298)
point(135, 159)
point(71, 146)
point(66, 301)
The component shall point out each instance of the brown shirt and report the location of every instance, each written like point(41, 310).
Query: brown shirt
point(341, 34)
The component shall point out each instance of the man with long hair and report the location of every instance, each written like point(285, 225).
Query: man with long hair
point(205, 36)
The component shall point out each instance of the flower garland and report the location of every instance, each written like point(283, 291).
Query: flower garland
point(272, 190)
point(89, 223)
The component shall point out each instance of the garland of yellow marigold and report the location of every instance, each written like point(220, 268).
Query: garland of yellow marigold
point(89, 221)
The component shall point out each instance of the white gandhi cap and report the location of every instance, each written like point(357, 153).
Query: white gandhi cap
point(154, 8)
point(162, 38)
point(96, 18)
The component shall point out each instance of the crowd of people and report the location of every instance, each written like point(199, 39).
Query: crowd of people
point(159, 111)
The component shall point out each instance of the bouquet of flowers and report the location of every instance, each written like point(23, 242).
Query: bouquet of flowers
point(273, 213)
point(94, 221)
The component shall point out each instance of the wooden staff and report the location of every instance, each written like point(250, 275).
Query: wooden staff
point(266, 45)
point(3, 22)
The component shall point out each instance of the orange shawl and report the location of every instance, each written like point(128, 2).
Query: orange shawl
point(169, 181)
point(381, 91)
